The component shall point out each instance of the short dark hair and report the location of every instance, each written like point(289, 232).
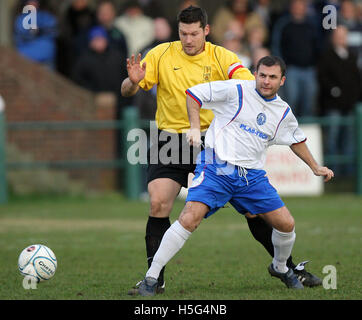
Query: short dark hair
point(272, 61)
point(191, 15)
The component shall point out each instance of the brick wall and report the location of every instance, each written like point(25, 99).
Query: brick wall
point(34, 93)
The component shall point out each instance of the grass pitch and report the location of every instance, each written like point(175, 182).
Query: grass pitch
point(100, 247)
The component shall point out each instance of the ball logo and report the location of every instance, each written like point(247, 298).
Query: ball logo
point(260, 119)
point(30, 249)
point(44, 266)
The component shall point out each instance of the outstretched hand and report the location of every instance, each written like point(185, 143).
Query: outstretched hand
point(136, 72)
point(327, 173)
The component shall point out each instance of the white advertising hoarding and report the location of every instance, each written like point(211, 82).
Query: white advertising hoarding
point(289, 174)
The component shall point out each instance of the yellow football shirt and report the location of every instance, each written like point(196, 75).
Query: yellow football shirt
point(173, 71)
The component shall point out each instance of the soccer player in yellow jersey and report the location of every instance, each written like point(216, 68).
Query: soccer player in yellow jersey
point(175, 67)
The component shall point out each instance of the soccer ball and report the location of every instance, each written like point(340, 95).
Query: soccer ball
point(37, 261)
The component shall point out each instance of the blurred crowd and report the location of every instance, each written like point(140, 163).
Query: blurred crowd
point(89, 42)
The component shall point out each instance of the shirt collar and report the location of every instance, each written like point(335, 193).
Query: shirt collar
point(265, 99)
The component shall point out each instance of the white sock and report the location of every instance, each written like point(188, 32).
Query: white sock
point(172, 241)
point(283, 244)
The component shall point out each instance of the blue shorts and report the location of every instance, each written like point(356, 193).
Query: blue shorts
point(216, 183)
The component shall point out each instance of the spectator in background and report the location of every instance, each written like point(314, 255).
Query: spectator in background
point(340, 86)
point(256, 55)
point(98, 68)
point(234, 41)
point(268, 14)
point(162, 33)
point(106, 14)
point(37, 44)
point(75, 25)
point(234, 9)
point(318, 15)
point(133, 23)
point(101, 70)
point(295, 39)
point(256, 38)
point(262, 8)
point(153, 8)
point(348, 16)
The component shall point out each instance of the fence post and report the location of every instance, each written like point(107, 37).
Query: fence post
point(132, 181)
point(3, 183)
point(359, 147)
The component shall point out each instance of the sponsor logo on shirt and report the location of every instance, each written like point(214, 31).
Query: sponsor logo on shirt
point(254, 131)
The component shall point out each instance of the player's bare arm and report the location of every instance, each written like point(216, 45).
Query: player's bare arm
point(302, 151)
point(136, 72)
point(193, 136)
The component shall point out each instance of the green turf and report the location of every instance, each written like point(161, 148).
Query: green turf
point(99, 244)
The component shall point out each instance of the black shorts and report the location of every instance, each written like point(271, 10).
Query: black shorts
point(170, 156)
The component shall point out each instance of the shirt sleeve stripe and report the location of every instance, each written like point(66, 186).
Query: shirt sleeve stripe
point(233, 68)
point(189, 93)
point(300, 142)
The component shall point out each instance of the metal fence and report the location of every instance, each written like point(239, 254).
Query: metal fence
point(132, 173)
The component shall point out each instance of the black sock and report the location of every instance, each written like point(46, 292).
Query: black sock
point(155, 229)
point(262, 232)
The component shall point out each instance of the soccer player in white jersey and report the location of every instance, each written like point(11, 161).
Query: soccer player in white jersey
point(249, 117)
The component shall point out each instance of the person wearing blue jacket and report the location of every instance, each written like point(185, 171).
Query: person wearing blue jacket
point(36, 41)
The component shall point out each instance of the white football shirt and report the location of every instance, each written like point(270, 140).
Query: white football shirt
point(245, 123)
